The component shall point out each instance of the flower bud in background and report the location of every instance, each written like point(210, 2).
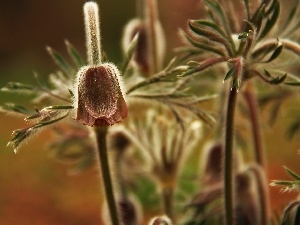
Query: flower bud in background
point(157, 41)
point(119, 141)
point(212, 163)
point(130, 210)
point(150, 50)
point(247, 206)
point(140, 57)
point(99, 99)
point(128, 213)
point(160, 220)
point(291, 213)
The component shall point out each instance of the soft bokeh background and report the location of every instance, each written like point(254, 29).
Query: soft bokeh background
point(37, 190)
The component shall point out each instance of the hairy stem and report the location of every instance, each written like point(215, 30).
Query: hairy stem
point(228, 158)
point(167, 197)
point(258, 151)
point(101, 133)
point(152, 20)
point(140, 9)
point(255, 125)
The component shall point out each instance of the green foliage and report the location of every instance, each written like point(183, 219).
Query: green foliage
point(274, 10)
point(288, 185)
point(275, 54)
point(10, 107)
point(21, 134)
point(165, 129)
point(76, 57)
point(60, 61)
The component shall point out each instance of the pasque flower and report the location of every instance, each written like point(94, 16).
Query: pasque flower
point(100, 100)
point(99, 97)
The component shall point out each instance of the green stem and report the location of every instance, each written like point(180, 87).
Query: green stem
point(101, 133)
point(228, 158)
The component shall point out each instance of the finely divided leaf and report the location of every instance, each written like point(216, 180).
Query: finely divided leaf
point(211, 36)
point(212, 25)
point(19, 87)
point(60, 61)
point(267, 73)
point(217, 7)
point(292, 83)
point(229, 73)
point(278, 80)
point(202, 66)
point(78, 61)
point(276, 53)
point(257, 18)
point(200, 45)
point(292, 173)
point(21, 134)
point(10, 107)
point(59, 107)
point(271, 21)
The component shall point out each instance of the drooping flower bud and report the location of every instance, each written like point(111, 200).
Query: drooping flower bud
point(130, 210)
point(98, 96)
point(99, 99)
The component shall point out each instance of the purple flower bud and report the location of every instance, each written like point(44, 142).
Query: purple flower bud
point(212, 163)
point(99, 99)
point(141, 55)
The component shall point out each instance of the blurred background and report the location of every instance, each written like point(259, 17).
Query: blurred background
point(37, 190)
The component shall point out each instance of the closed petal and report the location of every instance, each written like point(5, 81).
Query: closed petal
point(99, 99)
point(82, 114)
point(100, 91)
